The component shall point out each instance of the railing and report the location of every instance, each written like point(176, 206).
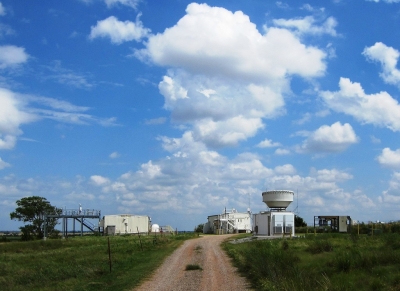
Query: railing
point(83, 212)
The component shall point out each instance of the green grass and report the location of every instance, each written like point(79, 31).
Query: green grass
point(82, 263)
point(321, 262)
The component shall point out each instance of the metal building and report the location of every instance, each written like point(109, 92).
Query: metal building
point(125, 224)
point(228, 222)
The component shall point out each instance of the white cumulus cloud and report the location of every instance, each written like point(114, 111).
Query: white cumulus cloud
point(213, 40)
point(267, 143)
point(99, 180)
point(12, 116)
point(379, 109)
point(388, 58)
point(119, 31)
point(389, 158)
point(11, 56)
point(225, 76)
point(330, 139)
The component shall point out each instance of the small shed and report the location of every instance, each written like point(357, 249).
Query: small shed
point(125, 224)
point(332, 222)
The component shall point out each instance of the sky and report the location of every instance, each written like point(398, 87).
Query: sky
point(178, 110)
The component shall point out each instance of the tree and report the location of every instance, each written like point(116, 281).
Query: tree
point(299, 222)
point(32, 210)
point(199, 228)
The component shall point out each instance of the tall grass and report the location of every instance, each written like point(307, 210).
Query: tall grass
point(321, 262)
point(82, 263)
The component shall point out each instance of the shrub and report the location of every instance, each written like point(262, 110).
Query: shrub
point(319, 246)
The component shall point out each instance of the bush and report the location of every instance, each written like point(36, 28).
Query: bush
point(318, 246)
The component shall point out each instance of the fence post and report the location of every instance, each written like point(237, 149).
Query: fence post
point(140, 240)
point(109, 253)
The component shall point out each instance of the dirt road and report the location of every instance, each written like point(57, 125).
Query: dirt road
point(217, 271)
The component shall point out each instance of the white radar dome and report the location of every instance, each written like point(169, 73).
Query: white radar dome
point(278, 198)
point(155, 228)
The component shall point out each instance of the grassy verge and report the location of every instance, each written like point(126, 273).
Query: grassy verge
point(82, 263)
point(321, 262)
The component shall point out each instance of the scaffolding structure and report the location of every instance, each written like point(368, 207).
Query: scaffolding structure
point(77, 215)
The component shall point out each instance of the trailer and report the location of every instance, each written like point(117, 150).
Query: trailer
point(125, 224)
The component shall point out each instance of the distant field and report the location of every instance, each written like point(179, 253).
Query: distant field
point(82, 263)
point(324, 261)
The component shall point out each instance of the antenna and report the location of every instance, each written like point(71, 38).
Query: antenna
point(296, 210)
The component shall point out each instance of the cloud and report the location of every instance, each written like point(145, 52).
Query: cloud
point(228, 132)
point(3, 164)
point(2, 9)
point(391, 196)
point(267, 143)
point(307, 25)
point(331, 175)
point(156, 121)
point(389, 158)
point(329, 139)
point(119, 31)
point(388, 58)
point(6, 30)
point(282, 152)
point(12, 56)
point(114, 155)
point(214, 41)
point(12, 116)
point(375, 139)
point(224, 77)
point(287, 169)
point(387, 1)
point(130, 3)
point(67, 77)
point(99, 180)
point(282, 5)
point(19, 109)
point(377, 109)
point(310, 8)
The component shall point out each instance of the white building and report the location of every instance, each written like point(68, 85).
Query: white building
point(228, 222)
point(277, 221)
point(125, 223)
point(274, 223)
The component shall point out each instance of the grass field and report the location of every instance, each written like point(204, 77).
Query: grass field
point(321, 262)
point(82, 263)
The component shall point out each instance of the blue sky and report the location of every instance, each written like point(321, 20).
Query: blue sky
point(177, 109)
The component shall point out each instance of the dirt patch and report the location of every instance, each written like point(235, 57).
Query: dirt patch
point(217, 272)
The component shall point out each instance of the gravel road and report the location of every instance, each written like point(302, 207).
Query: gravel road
point(217, 271)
